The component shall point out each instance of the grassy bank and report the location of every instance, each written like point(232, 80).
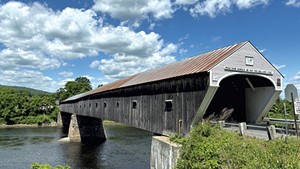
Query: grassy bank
point(211, 147)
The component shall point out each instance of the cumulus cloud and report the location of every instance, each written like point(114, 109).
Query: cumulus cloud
point(132, 9)
point(13, 58)
point(66, 74)
point(28, 78)
point(121, 65)
point(131, 52)
point(296, 78)
point(62, 34)
point(36, 37)
point(293, 3)
point(214, 7)
point(185, 2)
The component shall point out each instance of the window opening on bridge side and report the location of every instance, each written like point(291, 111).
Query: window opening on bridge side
point(117, 104)
point(278, 82)
point(134, 104)
point(90, 104)
point(104, 104)
point(96, 104)
point(168, 105)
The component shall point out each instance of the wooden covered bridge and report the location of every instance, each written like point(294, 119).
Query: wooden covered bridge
point(177, 96)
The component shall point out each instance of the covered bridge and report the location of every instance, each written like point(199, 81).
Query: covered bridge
point(175, 97)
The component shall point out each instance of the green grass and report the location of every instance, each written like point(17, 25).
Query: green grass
point(209, 147)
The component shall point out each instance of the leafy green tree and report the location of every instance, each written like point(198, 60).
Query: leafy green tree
point(19, 106)
point(277, 110)
point(84, 84)
point(80, 85)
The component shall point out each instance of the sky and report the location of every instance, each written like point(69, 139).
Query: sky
point(45, 43)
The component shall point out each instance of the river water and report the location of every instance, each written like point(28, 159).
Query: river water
point(125, 148)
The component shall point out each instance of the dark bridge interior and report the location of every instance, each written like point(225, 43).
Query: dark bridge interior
point(232, 95)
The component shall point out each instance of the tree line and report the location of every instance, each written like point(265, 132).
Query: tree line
point(24, 107)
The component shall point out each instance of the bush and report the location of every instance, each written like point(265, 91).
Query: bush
point(211, 147)
point(47, 166)
point(2, 120)
point(39, 119)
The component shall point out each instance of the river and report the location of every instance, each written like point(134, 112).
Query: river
point(125, 148)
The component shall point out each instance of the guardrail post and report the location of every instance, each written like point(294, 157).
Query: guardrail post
point(221, 123)
point(242, 128)
point(271, 132)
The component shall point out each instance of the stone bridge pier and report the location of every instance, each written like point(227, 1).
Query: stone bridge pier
point(88, 130)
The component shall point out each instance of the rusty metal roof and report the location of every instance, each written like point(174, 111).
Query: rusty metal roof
point(201, 63)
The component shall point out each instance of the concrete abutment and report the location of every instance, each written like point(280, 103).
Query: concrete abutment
point(164, 153)
point(88, 130)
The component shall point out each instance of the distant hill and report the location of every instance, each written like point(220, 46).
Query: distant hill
point(30, 90)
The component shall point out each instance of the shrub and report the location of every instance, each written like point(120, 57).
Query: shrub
point(2, 120)
point(209, 146)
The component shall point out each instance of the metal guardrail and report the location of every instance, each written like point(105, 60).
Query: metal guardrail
point(283, 121)
point(264, 127)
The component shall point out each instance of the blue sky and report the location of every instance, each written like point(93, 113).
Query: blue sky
point(44, 44)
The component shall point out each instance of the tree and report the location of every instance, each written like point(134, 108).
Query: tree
point(277, 110)
point(19, 106)
point(84, 84)
point(80, 85)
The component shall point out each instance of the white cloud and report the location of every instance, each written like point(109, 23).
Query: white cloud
point(246, 4)
point(152, 25)
point(64, 34)
point(95, 64)
point(262, 50)
point(66, 74)
point(215, 7)
point(185, 2)
point(216, 39)
point(296, 78)
point(36, 37)
point(279, 66)
point(135, 9)
point(28, 78)
point(293, 3)
point(183, 51)
point(121, 65)
point(13, 58)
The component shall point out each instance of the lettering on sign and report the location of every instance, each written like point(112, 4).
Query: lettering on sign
point(247, 70)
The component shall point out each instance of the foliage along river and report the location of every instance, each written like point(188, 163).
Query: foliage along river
point(125, 148)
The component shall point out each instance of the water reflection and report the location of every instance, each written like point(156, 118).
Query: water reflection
point(125, 147)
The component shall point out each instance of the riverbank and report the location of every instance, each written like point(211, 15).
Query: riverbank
point(5, 126)
point(52, 124)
